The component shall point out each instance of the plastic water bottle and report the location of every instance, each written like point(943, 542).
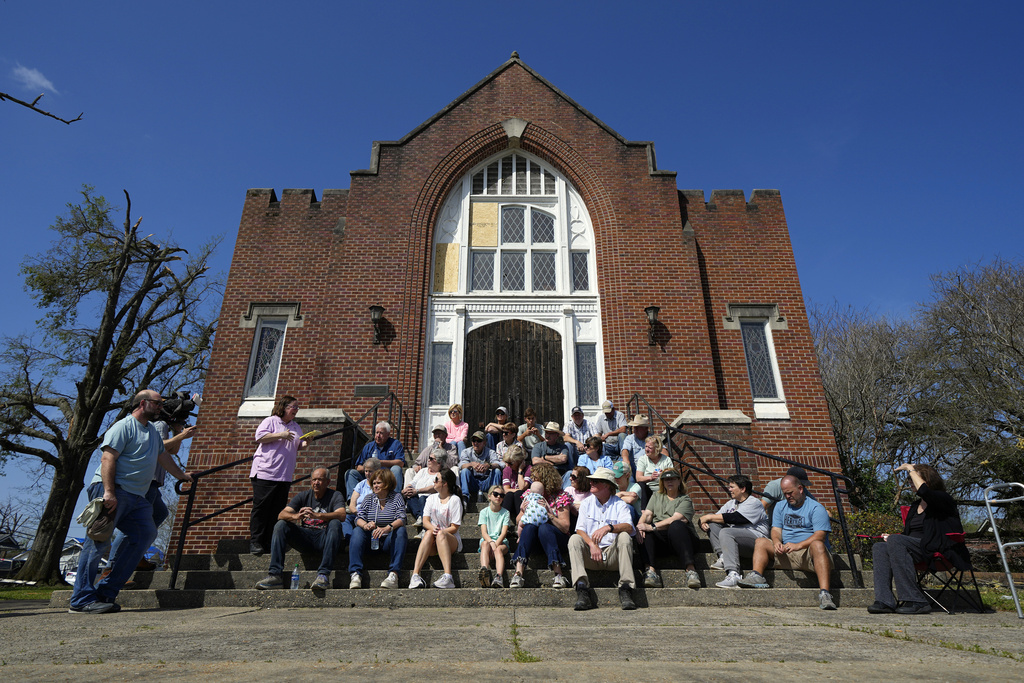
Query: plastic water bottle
point(295, 578)
point(374, 543)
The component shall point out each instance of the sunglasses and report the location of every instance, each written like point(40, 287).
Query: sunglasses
point(477, 440)
point(573, 476)
point(498, 494)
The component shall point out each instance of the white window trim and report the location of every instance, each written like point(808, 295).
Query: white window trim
point(253, 319)
point(576, 315)
point(768, 315)
point(528, 247)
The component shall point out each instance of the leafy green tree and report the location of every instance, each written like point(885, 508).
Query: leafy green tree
point(122, 313)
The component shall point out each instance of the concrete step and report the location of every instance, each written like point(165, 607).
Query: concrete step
point(469, 558)
point(607, 598)
point(234, 554)
point(465, 576)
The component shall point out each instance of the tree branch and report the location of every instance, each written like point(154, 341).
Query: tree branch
point(32, 105)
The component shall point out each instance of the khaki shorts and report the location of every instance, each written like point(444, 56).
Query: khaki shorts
point(799, 559)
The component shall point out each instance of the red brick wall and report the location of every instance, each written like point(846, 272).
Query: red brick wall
point(372, 245)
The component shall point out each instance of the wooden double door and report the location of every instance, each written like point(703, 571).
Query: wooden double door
point(516, 364)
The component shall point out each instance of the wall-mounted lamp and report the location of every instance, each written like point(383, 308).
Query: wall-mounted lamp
point(376, 315)
point(652, 320)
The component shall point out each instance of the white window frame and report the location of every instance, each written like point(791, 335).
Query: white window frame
point(575, 314)
point(527, 247)
point(767, 315)
point(255, 318)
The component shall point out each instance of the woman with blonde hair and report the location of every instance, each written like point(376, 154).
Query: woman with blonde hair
point(458, 430)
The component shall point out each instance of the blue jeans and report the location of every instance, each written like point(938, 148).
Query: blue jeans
point(394, 544)
point(415, 505)
point(159, 515)
point(553, 541)
point(354, 476)
point(134, 517)
point(613, 447)
point(304, 539)
point(472, 485)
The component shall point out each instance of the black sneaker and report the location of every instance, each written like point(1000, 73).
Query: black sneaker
point(880, 608)
point(583, 602)
point(914, 608)
point(626, 597)
point(256, 549)
point(485, 577)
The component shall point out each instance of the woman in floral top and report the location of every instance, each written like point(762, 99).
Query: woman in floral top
point(553, 535)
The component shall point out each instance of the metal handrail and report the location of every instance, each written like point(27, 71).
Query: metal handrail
point(989, 502)
point(187, 522)
point(834, 477)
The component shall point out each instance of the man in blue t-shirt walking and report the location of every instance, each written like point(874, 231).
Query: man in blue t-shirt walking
point(800, 530)
point(132, 447)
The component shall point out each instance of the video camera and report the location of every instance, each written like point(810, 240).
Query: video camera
point(177, 408)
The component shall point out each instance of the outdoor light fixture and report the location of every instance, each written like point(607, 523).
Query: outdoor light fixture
point(376, 315)
point(652, 320)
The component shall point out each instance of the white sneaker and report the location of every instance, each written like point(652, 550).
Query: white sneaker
point(418, 522)
point(517, 581)
point(391, 581)
point(355, 581)
point(730, 581)
point(560, 581)
point(719, 564)
point(417, 581)
point(446, 581)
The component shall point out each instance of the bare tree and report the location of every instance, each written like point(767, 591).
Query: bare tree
point(872, 370)
point(122, 313)
point(13, 518)
point(945, 386)
point(32, 105)
point(976, 324)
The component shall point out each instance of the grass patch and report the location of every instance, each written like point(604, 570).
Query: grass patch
point(993, 598)
point(519, 654)
point(949, 645)
point(15, 592)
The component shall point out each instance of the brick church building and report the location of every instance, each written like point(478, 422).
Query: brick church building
point(514, 242)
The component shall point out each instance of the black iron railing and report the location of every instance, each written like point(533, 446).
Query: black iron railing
point(637, 405)
point(394, 417)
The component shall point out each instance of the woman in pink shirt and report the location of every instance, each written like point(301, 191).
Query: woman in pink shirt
point(457, 429)
point(279, 441)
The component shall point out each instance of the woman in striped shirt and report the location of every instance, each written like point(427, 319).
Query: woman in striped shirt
point(380, 527)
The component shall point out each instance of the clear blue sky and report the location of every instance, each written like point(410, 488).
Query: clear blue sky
point(893, 130)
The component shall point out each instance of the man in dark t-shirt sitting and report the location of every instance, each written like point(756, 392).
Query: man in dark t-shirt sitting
point(311, 521)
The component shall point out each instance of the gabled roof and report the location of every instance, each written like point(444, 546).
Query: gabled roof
point(514, 59)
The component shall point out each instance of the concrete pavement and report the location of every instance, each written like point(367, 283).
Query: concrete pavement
point(492, 643)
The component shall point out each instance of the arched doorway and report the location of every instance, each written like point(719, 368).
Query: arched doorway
point(513, 252)
point(516, 364)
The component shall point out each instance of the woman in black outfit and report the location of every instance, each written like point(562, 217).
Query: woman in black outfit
point(924, 532)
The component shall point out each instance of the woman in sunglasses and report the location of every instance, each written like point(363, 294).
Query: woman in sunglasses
point(421, 485)
point(442, 517)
